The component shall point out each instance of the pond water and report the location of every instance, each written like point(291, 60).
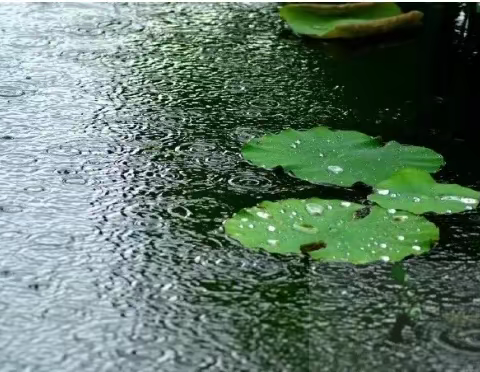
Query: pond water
point(121, 128)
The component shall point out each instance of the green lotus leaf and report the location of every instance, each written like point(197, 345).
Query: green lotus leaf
point(416, 191)
point(332, 230)
point(347, 20)
point(321, 155)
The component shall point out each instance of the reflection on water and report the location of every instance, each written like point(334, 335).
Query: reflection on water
point(121, 131)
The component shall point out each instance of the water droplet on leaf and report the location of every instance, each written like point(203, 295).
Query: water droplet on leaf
point(314, 209)
point(309, 229)
point(459, 199)
point(263, 215)
point(335, 169)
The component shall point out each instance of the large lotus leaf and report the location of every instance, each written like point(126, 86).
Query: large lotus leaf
point(332, 230)
point(347, 20)
point(416, 191)
point(338, 157)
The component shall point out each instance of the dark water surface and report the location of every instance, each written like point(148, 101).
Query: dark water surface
point(121, 127)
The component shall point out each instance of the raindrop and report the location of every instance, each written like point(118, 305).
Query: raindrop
point(416, 199)
point(272, 241)
point(294, 213)
point(382, 192)
point(329, 207)
point(449, 211)
point(400, 237)
point(248, 182)
point(282, 211)
point(263, 215)
point(393, 195)
point(293, 146)
point(11, 208)
point(305, 228)
point(34, 188)
point(391, 210)
point(297, 142)
point(383, 245)
point(314, 209)
point(251, 226)
point(10, 92)
point(345, 204)
point(271, 228)
point(179, 211)
point(335, 169)
point(461, 341)
point(321, 155)
point(416, 247)
point(385, 258)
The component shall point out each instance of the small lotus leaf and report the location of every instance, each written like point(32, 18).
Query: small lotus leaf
point(321, 155)
point(416, 191)
point(332, 230)
point(328, 21)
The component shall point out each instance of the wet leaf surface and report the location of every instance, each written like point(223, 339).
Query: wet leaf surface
point(416, 191)
point(343, 158)
point(347, 21)
point(329, 230)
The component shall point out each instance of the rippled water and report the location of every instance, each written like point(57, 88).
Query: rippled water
point(121, 132)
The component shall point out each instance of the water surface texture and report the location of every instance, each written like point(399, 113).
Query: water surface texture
point(121, 128)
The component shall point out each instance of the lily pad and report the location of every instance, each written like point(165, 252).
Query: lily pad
point(321, 155)
point(347, 20)
point(332, 230)
point(416, 191)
